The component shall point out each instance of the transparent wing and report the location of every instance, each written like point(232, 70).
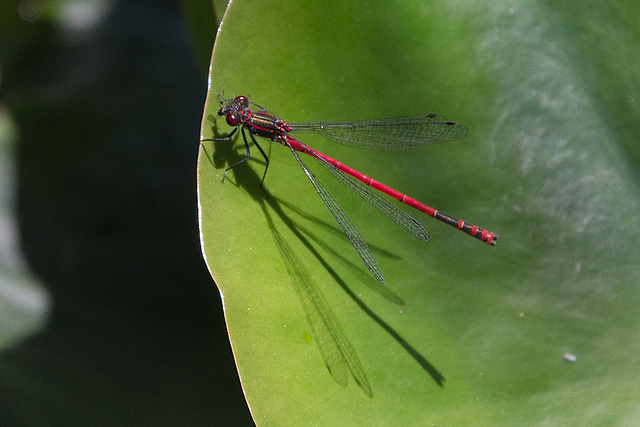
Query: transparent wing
point(341, 217)
point(392, 212)
point(395, 133)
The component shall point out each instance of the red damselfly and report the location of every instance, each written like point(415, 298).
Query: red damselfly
point(381, 134)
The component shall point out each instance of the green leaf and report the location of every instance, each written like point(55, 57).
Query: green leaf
point(550, 163)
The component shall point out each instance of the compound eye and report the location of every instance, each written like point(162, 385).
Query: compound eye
point(242, 102)
point(233, 119)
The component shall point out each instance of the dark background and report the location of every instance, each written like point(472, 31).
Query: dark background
point(108, 116)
